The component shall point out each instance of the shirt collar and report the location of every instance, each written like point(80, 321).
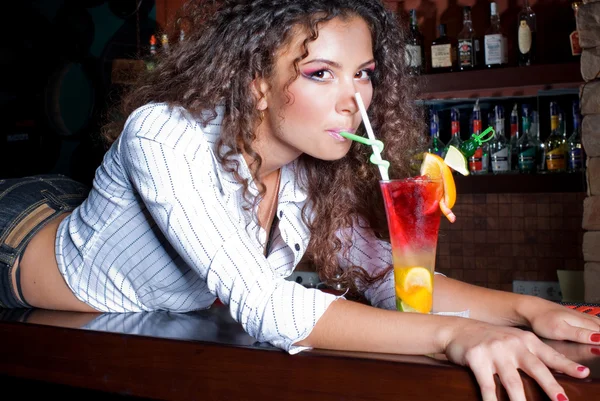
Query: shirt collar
point(290, 188)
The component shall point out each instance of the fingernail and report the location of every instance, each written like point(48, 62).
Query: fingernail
point(596, 351)
point(562, 397)
point(581, 368)
point(595, 337)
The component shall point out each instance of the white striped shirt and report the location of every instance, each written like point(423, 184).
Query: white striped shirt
point(163, 228)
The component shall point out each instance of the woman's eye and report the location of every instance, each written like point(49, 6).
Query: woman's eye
point(321, 75)
point(364, 74)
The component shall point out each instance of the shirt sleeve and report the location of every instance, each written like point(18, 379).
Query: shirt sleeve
point(374, 255)
point(173, 180)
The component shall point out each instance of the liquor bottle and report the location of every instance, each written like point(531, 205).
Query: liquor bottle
point(562, 126)
point(164, 43)
point(436, 146)
point(183, 24)
point(499, 149)
point(414, 51)
point(455, 130)
point(495, 44)
point(574, 35)
point(555, 144)
point(478, 162)
point(541, 152)
point(443, 52)
point(527, 145)
point(468, 44)
point(526, 49)
point(576, 153)
point(514, 137)
point(151, 61)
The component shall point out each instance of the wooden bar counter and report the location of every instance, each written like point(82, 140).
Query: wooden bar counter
point(206, 355)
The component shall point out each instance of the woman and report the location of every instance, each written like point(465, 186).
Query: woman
point(230, 166)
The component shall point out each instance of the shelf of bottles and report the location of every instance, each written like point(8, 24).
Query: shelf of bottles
point(538, 138)
point(478, 62)
point(468, 85)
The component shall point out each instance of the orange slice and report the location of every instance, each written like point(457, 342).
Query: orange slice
point(434, 167)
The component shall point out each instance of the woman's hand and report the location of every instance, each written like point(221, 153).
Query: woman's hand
point(557, 322)
point(489, 350)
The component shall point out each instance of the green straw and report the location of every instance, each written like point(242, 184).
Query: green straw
point(375, 158)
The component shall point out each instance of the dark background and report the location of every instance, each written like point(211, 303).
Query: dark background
point(55, 59)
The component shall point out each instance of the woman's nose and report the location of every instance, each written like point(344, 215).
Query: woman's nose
point(347, 101)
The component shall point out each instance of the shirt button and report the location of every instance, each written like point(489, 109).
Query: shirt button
point(297, 246)
point(281, 214)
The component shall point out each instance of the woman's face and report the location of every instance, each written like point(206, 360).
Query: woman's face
point(320, 102)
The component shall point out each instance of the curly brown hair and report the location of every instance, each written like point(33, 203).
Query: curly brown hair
point(236, 42)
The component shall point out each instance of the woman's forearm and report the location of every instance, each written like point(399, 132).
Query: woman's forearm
point(352, 326)
point(487, 305)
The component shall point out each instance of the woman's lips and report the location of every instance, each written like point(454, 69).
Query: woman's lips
point(335, 133)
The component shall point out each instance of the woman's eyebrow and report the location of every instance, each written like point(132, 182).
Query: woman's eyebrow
point(336, 64)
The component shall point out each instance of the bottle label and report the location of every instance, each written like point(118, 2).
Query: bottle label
point(493, 49)
point(575, 47)
point(526, 160)
point(477, 126)
point(524, 37)
point(500, 160)
point(455, 128)
point(555, 159)
point(441, 56)
point(478, 162)
point(433, 128)
point(466, 53)
point(413, 56)
point(575, 159)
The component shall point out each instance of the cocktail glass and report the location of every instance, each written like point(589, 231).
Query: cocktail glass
point(413, 215)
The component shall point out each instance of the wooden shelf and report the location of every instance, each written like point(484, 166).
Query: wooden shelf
point(521, 183)
point(500, 82)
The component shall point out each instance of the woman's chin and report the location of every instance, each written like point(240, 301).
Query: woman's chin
point(330, 154)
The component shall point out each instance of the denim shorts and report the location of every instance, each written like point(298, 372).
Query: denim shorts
point(26, 205)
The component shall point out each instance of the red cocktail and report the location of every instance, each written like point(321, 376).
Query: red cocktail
point(413, 214)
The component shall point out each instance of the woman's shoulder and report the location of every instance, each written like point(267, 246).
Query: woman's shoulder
point(161, 122)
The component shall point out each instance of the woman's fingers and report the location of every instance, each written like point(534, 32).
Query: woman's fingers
point(557, 361)
point(485, 379)
point(538, 370)
point(535, 359)
point(584, 320)
point(512, 382)
point(586, 335)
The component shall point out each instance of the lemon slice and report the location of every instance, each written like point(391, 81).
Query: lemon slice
point(456, 160)
point(414, 290)
point(417, 277)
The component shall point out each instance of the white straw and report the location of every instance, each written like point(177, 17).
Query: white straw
point(365, 117)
